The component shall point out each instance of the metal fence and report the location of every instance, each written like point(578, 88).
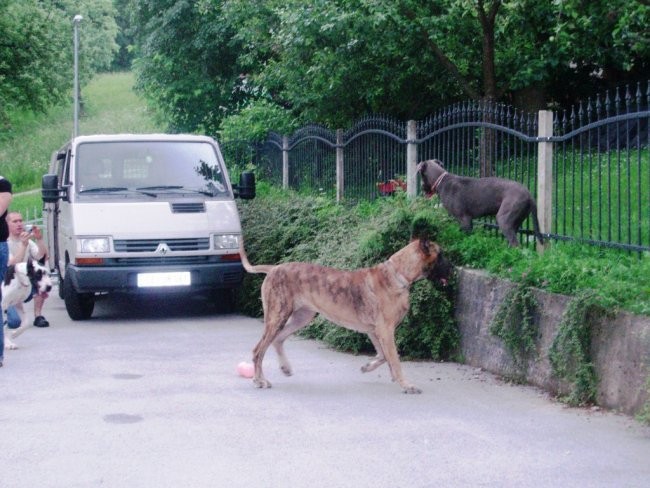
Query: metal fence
point(589, 166)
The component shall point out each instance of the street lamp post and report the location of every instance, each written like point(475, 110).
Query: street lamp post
point(77, 19)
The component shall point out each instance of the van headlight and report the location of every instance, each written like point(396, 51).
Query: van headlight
point(93, 244)
point(226, 241)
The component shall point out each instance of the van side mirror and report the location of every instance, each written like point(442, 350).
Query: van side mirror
point(246, 187)
point(50, 188)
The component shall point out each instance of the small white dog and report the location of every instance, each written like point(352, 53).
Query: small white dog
point(20, 281)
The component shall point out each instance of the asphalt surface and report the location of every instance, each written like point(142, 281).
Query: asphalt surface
point(146, 395)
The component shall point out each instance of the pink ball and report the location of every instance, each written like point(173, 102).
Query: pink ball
point(246, 370)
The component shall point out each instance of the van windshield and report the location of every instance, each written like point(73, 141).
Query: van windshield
point(150, 167)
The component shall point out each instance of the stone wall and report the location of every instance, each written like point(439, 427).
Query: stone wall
point(620, 344)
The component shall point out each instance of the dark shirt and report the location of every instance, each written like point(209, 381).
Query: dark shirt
point(5, 187)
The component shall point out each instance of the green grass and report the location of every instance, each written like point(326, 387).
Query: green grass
point(603, 196)
point(109, 106)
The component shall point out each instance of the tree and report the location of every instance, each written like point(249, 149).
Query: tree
point(187, 62)
point(36, 49)
point(32, 46)
point(331, 61)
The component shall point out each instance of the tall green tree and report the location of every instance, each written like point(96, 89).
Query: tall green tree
point(36, 68)
point(187, 62)
point(330, 61)
point(33, 44)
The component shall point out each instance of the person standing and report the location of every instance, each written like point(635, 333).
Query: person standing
point(24, 244)
point(5, 201)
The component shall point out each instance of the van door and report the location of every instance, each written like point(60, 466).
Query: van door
point(51, 210)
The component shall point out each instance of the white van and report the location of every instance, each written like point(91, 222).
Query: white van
point(141, 213)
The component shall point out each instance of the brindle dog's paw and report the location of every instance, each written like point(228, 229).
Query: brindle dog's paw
point(286, 370)
point(262, 383)
point(412, 390)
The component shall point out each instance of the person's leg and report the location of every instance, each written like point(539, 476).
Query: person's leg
point(39, 320)
point(13, 319)
point(4, 257)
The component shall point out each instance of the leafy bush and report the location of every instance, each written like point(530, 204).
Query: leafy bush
point(514, 324)
point(570, 353)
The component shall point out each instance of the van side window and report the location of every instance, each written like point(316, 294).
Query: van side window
point(63, 169)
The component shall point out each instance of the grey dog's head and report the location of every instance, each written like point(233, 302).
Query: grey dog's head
point(430, 171)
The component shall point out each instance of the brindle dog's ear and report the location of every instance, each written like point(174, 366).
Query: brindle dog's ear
point(422, 227)
point(425, 246)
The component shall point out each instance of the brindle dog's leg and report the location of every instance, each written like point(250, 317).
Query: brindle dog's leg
point(298, 320)
point(273, 323)
point(379, 358)
point(386, 336)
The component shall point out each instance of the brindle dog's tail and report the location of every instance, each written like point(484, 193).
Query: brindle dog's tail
point(262, 268)
point(538, 234)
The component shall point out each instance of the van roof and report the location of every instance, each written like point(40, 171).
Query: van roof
point(142, 137)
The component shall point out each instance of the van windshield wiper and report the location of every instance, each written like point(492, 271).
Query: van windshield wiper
point(160, 187)
point(176, 187)
point(100, 189)
point(112, 189)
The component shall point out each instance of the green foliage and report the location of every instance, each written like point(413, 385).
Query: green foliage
point(514, 323)
point(618, 279)
point(201, 62)
point(186, 63)
point(254, 122)
point(295, 228)
point(570, 355)
point(429, 330)
point(36, 62)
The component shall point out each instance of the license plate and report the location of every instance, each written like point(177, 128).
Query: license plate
point(181, 278)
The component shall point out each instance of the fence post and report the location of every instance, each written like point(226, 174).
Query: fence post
point(544, 173)
point(285, 163)
point(339, 165)
point(411, 159)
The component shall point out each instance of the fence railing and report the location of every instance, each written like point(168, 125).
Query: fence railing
point(588, 168)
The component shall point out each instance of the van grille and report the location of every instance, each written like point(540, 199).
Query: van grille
point(167, 261)
point(150, 245)
point(196, 207)
point(232, 277)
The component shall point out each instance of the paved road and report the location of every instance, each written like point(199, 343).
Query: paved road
point(148, 397)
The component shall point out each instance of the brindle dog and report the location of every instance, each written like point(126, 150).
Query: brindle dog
point(370, 300)
point(468, 198)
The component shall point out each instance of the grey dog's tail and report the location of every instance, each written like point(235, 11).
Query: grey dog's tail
point(262, 268)
point(538, 234)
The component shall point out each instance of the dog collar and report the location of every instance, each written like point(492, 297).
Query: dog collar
point(400, 277)
point(438, 181)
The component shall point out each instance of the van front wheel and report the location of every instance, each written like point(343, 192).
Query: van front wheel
point(78, 305)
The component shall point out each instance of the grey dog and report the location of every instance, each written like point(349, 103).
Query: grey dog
point(468, 198)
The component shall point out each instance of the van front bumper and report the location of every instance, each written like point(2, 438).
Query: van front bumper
point(89, 279)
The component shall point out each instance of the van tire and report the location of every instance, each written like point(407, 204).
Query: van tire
point(79, 306)
point(60, 286)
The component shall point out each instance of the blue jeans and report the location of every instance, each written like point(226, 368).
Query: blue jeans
point(13, 319)
point(4, 257)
